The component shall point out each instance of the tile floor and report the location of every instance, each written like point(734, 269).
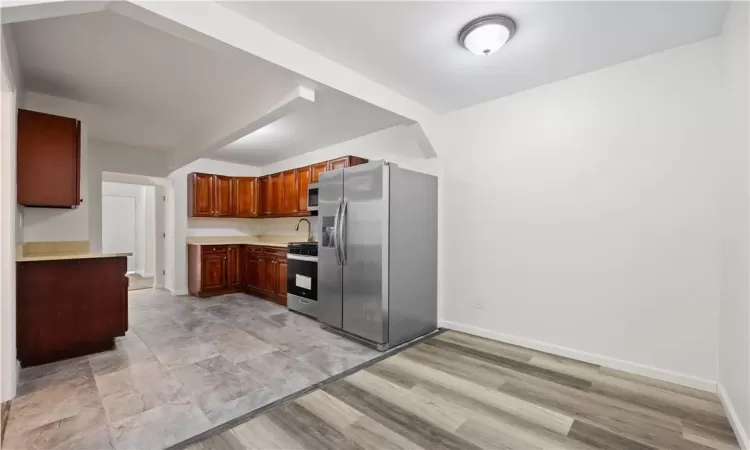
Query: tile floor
point(185, 366)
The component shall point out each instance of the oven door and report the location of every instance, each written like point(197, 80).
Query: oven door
point(302, 284)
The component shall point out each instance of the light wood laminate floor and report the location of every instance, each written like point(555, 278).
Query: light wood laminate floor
point(457, 391)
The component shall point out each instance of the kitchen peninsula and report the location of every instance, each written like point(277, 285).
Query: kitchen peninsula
point(70, 302)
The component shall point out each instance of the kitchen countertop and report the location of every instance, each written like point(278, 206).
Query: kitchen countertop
point(69, 256)
point(267, 241)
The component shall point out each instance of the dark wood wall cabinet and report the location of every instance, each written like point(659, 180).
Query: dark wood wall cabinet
point(224, 269)
point(48, 160)
point(69, 308)
point(282, 194)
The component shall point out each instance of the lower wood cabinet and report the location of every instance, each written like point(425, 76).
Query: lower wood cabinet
point(223, 269)
point(69, 308)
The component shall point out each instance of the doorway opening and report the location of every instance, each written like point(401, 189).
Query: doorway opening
point(134, 221)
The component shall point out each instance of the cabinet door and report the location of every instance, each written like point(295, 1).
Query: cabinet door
point(252, 270)
point(316, 170)
point(264, 196)
point(201, 195)
point(281, 283)
point(277, 194)
point(262, 269)
point(223, 205)
point(338, 163)
point(245, 197)
point(290, 200)
point(48, 165)
point(271, 283)
point(213, 272)
point(303, 181)
point(234, 267)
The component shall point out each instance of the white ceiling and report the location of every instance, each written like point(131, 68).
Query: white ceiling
point(335, 117)
point(131, 70)
point(411, 46)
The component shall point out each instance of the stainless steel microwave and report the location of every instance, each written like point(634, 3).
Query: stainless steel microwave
point(312, 198)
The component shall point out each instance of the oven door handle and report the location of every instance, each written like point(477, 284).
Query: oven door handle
point(297, 257)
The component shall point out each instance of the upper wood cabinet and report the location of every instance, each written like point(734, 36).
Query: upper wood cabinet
point(246, 196)
point(224, 200)
point(282, 194)
point(264, 194)
point(317, 169)
point(48, 160)
point(290, 202)
point(276, 186)
point(339, 163)
point(210, 195)
point(303, 181)
point(201, 195)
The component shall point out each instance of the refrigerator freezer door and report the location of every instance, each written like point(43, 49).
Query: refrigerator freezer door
point(364, 226)
point(330, 284)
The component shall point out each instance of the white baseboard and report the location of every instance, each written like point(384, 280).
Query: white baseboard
point(175, 292)
point(626, 366)
point(734, 420)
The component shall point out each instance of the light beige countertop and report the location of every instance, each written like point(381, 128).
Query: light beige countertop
point(69, 256)
point(59, 250)
point(268, 241)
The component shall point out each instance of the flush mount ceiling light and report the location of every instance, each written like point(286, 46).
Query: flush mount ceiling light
point(487, 34)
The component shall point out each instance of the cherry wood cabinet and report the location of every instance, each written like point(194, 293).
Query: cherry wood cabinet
point(223, 269)
point(210, 195)
point(264, 193)
point(281, 275)
point(276, 186)
point(48, 166)
point(224, 196)
point(290, 192)
point(234, 268)
point(214, 272)
point(246, 196)
point(282, 194)
point(317, 169)
point(303, 181)
point(269, 282)
point(251, 270)
point(201, 190)
point(69, 308)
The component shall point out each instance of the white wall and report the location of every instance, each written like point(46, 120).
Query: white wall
point(734, 316)
point(108, 157)
point(9, 218)
point(581, 217)
point(178, 267)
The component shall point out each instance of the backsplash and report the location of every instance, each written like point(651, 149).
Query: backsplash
point(219, 227)
point(282, 226)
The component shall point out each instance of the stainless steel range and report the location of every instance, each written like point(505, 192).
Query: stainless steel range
point(302, 278)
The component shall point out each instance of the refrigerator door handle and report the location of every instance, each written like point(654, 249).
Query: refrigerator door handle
point(342, 236)
point(336, 235)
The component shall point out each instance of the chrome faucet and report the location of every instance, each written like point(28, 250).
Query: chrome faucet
point(309, 230)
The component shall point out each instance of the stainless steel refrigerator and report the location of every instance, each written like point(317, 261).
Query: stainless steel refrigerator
point(377, 253)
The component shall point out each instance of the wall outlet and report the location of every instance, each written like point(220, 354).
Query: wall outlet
point(480, 304)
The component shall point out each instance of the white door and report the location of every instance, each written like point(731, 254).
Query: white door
point(118, 226)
